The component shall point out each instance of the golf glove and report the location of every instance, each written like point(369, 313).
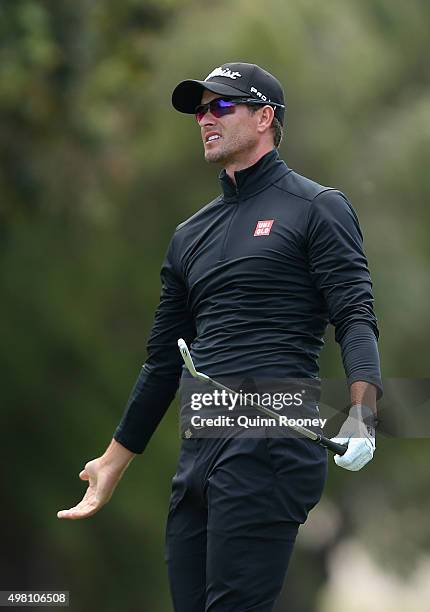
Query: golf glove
point(358, 432)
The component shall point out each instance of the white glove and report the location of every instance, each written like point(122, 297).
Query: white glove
point(358, 432)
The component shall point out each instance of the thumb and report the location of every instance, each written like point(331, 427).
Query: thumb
point(84, 475)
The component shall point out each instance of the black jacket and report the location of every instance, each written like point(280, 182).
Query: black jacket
point(251, 281)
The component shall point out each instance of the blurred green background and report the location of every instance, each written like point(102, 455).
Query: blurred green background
point(96, 171)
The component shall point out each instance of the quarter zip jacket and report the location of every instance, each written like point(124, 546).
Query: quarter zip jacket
point(251, 281)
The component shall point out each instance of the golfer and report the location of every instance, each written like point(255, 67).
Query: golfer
point(250, 282)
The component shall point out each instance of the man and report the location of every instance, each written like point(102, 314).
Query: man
point(250, 282)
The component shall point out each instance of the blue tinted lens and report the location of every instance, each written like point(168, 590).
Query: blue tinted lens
point(224, 103)
point(218, 108)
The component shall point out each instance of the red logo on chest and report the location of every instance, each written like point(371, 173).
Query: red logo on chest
point(263, 227)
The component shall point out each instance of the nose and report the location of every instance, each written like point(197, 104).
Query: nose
point(207, 119)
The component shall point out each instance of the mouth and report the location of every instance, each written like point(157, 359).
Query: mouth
point(212, 137)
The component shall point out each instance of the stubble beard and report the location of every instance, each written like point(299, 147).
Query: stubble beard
point(218, 156)
point(227, 151)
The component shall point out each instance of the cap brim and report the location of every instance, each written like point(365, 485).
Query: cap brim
point(188, 94)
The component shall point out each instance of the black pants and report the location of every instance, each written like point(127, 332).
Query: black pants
point(235, 510)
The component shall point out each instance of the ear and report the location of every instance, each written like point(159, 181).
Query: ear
point(265, 118)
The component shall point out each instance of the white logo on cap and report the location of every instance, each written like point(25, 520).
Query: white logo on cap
point(224, 72)
point(259, 94)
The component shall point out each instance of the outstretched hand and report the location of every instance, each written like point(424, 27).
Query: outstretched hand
point(102, 480)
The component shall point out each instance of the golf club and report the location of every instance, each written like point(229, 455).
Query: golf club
point(339, 449)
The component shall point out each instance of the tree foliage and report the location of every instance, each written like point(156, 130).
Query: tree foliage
point(97, 170)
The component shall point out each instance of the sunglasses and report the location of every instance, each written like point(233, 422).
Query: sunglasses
point(223, 106)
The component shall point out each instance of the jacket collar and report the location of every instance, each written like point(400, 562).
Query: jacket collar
point(249, 181)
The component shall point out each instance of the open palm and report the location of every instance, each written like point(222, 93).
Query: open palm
point(102, 481)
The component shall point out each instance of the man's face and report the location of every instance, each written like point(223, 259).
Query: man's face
point(237, 132)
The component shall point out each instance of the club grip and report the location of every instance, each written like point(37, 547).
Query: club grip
point(335, 447)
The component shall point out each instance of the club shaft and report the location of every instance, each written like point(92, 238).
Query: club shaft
point(339, 449)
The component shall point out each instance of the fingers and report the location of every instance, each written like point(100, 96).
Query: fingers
point(76, 513)
point(68, 514)
point(360, 452)
point(101, 484)
point(85, 508)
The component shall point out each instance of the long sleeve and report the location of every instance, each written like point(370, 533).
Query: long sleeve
point(340, 272)
point(158, 380)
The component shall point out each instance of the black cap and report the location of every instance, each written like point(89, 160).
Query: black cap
point(232, 80)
